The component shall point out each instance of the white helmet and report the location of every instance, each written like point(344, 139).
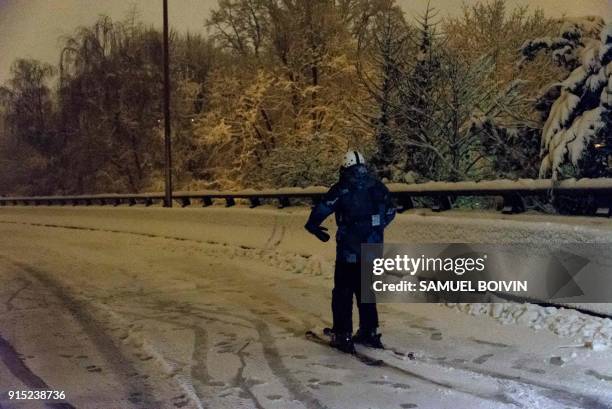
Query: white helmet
point(353, 158)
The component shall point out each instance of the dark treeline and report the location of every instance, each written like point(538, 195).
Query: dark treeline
point(272, 92)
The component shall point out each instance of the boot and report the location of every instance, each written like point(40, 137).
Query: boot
point(368, 338)
point(342, 341)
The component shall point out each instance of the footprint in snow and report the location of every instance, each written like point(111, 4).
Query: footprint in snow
point(93, 368)
point(530, 370)
point(331, 383)
point(181, 403)
point(436, 336)
point(556, 360)
point(395, 385)
point(482, 359)
point(598, 375)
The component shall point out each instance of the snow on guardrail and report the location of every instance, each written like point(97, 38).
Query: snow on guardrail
point(512, 192)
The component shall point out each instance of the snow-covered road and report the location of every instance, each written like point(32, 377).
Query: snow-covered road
point(207, 308)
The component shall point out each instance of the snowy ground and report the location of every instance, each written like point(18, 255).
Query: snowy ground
point(158, 308)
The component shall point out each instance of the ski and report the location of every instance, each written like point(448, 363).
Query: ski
point(402, 354)
point(410, 355)
point(322, 340)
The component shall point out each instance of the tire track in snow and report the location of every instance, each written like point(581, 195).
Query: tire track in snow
point(20, 370)
point(271, 354)
point(273, 359)
point(269, 240)
point(561, 396)
point(280, 238)
point(551, 392)
point(277, 366)
point(499, 398)
point(564, 396)
point(94, 330)
point(241, 380)
point(273, 242)
point(9, 301)
point(199, 371)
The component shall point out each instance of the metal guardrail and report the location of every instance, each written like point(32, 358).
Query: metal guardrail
point(441, 194)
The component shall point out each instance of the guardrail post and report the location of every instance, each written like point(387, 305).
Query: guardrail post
point(49, 202)
point(148, 202)
point(206, 201)
point(103, 202)
point(513, 203)
point(229, 202)
point(604, 205)
point(441, 203)
point(131, 201)
point(283, 202)
point(117, 202)
point(185, 201)
point(88, 202)
point(405, 203)
point(254, 202)
point(36, 202)
point(315, 200)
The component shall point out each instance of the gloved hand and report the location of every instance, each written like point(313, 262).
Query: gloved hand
point(319, 232)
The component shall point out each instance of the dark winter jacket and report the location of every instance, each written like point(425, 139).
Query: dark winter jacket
point(363, 209)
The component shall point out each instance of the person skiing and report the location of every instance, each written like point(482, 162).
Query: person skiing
point(363, 208)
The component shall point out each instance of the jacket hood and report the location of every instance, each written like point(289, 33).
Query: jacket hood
point(355, 175)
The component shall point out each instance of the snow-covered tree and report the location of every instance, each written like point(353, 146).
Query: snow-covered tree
point(29, 139)
point(463, 110)
point(579, 119)
point(447, 103)
point(498, 30)
point(381, 47)
point(566, 49)
point(283, 107)
point(492, 27)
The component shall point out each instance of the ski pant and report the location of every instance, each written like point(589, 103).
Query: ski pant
point(347, 282)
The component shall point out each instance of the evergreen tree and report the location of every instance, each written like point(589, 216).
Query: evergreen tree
point(576, 133)
point(449, 107)
point(382, 47)
point(421, 82)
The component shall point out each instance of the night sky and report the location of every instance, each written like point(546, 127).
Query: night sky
point(31, 28)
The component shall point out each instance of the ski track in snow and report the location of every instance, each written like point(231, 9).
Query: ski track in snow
point(261, 330)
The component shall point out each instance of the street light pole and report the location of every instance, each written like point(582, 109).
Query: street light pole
point(167, 137)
